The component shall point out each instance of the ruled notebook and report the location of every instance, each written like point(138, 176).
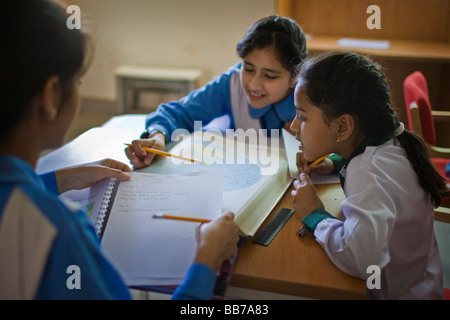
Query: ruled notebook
point(254, 177)
point(148, 251)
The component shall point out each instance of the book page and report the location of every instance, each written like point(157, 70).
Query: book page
point(149, 251)
point(254, 170)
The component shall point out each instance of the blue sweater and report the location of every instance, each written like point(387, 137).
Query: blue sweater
point(76, 244)
point(213, 101)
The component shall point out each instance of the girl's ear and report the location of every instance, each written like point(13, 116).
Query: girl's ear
point(345, 125)
point(293, 83)
point(51, 98)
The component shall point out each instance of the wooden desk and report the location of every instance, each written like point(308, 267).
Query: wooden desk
point(289, 265)
point(293, 265)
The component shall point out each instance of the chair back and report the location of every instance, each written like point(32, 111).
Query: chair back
point(416, 90)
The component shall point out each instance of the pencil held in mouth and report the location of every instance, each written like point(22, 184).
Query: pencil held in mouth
point(162, 153)
point(166, 216)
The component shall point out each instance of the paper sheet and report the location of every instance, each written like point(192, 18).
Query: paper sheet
point(150, 251)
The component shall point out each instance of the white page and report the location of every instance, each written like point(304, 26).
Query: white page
point(93, 145)
point(291, 145)
point(248, 168)
point(144, 248)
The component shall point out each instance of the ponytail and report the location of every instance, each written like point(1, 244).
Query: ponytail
point(430, 180)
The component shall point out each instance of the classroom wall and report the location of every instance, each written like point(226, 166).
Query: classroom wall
point(169, 33)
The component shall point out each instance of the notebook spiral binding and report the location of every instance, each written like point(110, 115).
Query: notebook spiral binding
point(104, 207)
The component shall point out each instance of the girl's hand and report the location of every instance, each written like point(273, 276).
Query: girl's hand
point(217, 241)
point(304, 197)
point(87, 175)
point(140, 158)
point(322, 168)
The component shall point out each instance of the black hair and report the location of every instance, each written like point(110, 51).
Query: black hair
point(281, 33)
point(35, 44)
point(347, 83)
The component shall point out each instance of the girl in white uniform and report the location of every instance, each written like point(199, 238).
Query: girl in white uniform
point(344, 108)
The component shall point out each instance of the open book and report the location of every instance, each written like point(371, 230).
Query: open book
point(255, 171)
point(254, 175)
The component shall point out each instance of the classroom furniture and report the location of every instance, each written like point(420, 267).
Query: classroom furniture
point(289, 265)
point(421, 119)
point(142, 88)
point(416, 91)
point(418, 33)
point(296, 266)
point(299, 266)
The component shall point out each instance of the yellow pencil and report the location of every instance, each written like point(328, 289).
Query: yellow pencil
point(165, 216)
point(318, 160)
point(162, 153)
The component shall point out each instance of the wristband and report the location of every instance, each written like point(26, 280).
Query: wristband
point(151, 131)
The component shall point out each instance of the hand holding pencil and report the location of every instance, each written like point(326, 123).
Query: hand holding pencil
point(217, 241)
point(320, 166)
point(140, 158)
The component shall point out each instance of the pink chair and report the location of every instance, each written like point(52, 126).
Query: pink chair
point(421, 121)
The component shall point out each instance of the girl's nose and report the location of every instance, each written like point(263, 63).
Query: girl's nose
point(295, 126)
point(255, 83)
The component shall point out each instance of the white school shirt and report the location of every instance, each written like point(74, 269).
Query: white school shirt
point(388, 223)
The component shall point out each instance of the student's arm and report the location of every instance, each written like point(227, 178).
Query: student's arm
point(204, 104)
point(368, 211)
point(87, 175)
point(198, 284)
point(83, 176)
point(346, 242)
point(77, 246)
point(50, 183)
point(216, 242)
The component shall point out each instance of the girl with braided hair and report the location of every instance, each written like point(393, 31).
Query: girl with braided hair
point(344, 109)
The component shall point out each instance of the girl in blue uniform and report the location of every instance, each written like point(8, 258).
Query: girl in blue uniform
point(256, 93)
point(41, 239)
point(344, 108)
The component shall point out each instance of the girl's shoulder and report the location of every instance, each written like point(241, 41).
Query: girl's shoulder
point(62, 215)
point(233, 69)
point(388, 160)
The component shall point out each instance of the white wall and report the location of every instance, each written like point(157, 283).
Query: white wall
point(175, 33)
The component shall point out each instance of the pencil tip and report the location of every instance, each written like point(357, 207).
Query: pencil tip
point(157, 215)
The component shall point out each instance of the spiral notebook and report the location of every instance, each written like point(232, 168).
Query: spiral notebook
point(148, 251)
